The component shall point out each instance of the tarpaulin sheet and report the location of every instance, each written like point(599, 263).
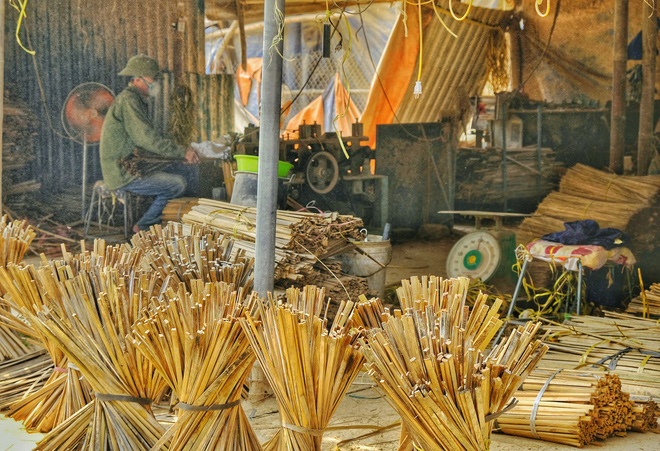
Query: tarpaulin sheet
point(333, 110)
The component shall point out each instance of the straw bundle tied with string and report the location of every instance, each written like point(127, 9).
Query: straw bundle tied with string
point(89, 322)
point(429, 361)
point(195, 341)
point(309, 367)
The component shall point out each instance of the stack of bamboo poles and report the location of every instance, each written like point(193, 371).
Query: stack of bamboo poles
point(300, 232)
point(429, 361)
point(309, 368)
point(570, 407)
point(195, 341)
point(647, 304)
point(176, 208)
point(625, 345)
point(64, 393)
point(587, 193)
point(203, 254)
point(89, 321)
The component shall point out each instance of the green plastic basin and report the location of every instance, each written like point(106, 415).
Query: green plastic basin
point(250, 163)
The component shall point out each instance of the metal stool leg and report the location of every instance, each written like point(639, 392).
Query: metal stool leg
point(127, 198)
point(579, 287)
point(514, 297)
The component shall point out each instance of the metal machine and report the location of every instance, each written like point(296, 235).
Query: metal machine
point(322, 173)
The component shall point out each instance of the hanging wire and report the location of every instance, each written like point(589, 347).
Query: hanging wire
point(466, 12)
point(537, 5)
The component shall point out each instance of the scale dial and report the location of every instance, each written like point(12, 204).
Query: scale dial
point(477, 256)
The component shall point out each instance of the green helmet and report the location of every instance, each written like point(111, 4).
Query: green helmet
point(141, 66)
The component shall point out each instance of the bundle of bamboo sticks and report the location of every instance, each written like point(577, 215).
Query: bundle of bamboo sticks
point(195, 341)
point(15, 240)
point(622, 344)
point(645, 416)
point(587, 193)
point(309, 368)
point(197, 254)
point(300, 232)
point(29, 290)
point(569, 407)
point(429, 361)
point(89, 322)
point(176, 208)
point(647, 304)
point(23, 375)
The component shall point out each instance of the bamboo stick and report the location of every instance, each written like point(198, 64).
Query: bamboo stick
point(433, 369)
point(308, 367)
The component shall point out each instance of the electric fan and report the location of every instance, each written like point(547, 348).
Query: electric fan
point(82, 118)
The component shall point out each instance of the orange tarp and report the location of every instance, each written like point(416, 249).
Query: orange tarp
point(344, 113)
point(396, 68)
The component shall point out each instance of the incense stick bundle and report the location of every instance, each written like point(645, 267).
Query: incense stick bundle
point(622, 344)
point(309, 368)
point(186, 257)
point(90, 326)
point(569, 407)
point(429, 361)
point(198, 346)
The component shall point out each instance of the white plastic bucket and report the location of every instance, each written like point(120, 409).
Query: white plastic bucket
point(357, 264)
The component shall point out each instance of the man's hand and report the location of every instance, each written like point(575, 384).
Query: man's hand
point(191, 156)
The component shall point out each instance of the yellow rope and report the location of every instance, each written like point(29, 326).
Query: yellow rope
point(583, 360)
point(21, 14)
point(645, 311)
point(466, 12)
point(538, 11)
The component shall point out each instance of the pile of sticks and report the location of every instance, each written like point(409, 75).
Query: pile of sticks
point(300, 232)
point(23, 375)
point(195, 341)
point(647, 304)
point(622, 344)
point(204, 255)
point(89, 322)
point(309, 367)
point(176, 208)
point(570, 407)
point(587, 193)
point(430, 362)
point(481, 181)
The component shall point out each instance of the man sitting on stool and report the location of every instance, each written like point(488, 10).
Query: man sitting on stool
point(126, 127)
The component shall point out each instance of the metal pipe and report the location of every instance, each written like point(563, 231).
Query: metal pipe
point(505, 182)
point(513, 298)
point(2, 84)
point(618, 132)
point(646, 140)
point(269, 139)
point(539, 150)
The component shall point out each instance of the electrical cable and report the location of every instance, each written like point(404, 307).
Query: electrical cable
point(547, 46)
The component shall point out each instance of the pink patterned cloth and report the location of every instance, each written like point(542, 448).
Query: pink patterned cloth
point(593, 257)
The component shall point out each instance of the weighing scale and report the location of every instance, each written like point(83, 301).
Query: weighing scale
point(484, 254)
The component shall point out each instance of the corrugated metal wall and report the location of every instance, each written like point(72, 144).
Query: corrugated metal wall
point(453, 68)
point(78, 41)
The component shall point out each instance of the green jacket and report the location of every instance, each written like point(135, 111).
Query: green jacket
point(127, 126)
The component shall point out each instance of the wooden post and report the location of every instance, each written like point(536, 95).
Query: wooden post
point(617, 134)
point(2, 86)
point(646, 140)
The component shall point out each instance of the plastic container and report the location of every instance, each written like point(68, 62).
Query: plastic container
point(250, 163)
point(358, 264)
point(245, 190)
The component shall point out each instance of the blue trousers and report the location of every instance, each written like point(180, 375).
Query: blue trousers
point(175, 181)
